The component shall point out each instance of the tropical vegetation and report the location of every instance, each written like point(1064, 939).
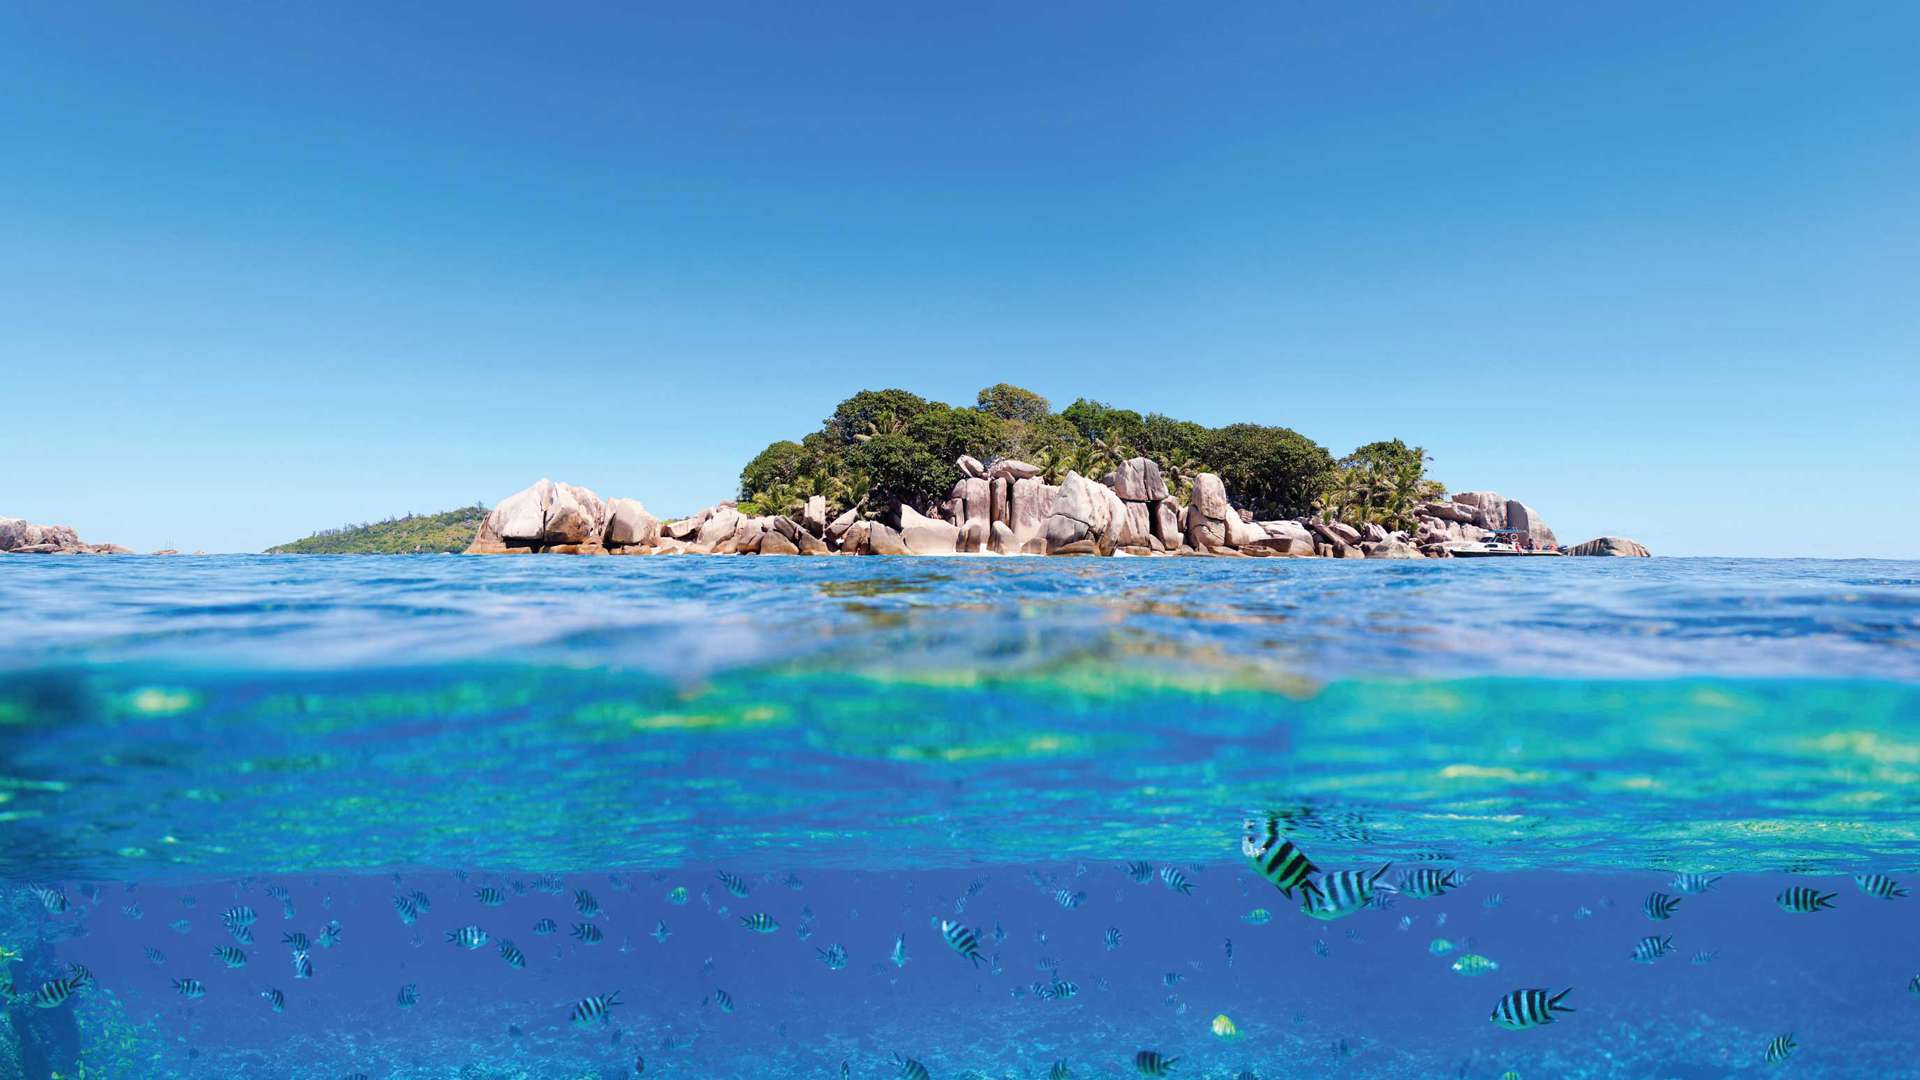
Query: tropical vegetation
point(881, 447)
point(413, 534)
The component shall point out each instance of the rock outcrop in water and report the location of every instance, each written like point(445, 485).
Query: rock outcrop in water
point(20, 537)
point(1610, 545)
point(1006, 508)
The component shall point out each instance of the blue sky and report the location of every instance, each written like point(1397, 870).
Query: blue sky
point(271, 268)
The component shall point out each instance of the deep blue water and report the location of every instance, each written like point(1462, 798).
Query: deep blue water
point(872, 745)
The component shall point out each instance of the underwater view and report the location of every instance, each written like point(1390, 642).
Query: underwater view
point(314, 818)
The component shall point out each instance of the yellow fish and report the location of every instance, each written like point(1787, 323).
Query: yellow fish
point(8, 956)
point(1223, 1027)
point(1474, 964)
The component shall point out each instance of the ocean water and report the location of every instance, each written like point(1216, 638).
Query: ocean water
point(870, 746)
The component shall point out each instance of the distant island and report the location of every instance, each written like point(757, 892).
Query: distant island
point(414, 534)
point(893, 473)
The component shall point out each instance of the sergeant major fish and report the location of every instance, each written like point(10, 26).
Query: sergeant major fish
point(1276, 859)
point(1524, 1009)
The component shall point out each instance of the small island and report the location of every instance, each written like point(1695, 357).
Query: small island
point(413, 534)
point(892, 473)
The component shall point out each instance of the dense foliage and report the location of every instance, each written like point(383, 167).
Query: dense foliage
point(885, 446)
point(413, 534)
point(1379, 484)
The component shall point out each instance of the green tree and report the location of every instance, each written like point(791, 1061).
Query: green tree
point(1276, 472)
point(874, 412)
point(780, 463)
point(946, 433)
point(1009, 402)
point(900, 470)
point(1167, 440)
point(1381, 483)
point(1094, 420)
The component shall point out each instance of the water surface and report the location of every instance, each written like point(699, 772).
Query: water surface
point(871, 744)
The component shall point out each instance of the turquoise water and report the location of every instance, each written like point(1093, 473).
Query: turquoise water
point(872, 744)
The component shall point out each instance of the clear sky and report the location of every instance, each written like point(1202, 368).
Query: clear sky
point(269, 268)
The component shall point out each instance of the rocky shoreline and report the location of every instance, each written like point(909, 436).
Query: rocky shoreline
point(21, 537)
point(1006, 508)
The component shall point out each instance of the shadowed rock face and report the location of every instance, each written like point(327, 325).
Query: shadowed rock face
point(21, 537)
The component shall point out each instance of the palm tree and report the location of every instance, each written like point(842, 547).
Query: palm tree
point(1056, 461)
point(1102, 454)
point(1179, 474)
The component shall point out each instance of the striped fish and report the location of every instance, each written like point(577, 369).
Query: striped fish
point(1152, 1063)
point(1140, 872)
point(1069, 899)
point(1112, 938)
point(421, 902)
point(330, 934)
point(1913, 985)
point(1705, 957)
point(489, 896)
point(588, 933)
point(302, 965)
point(408, 997)
point(1058, 990)
point(1800, 900)
point(1173, 879)
point(585, 904)
point(230, 956)
point(1524, 1009)
point(760, 922)
point(733, 884)
point(722, 999)
point(190, 988)
point(1879, 885)
point(545, 927)
point(155, 955)
point(1652, 948)
point(1275, 857)
point(512, 955)
point(467, 937)
point(594, 1010)
point(909, 1068)
point(408, 908)
point(1059, 1072)
point(239, 916)
point(1693, 884)
point(1426, 882)
point(275, 1000)
point(1660, 906)
point(50, 898)
point(296, 939)
point(53, 992)
point(961, 940)
point(1781, 1048)
point(1340, 893)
